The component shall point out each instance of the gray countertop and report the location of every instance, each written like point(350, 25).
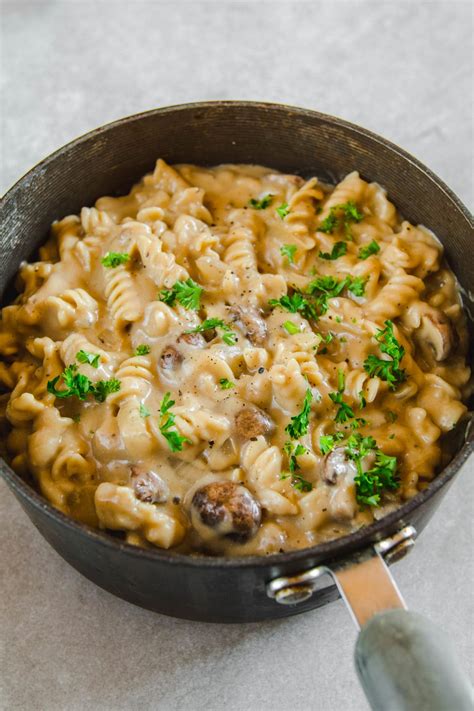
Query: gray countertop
point(401, 69)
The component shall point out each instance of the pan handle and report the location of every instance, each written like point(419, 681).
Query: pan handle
point(403, 661)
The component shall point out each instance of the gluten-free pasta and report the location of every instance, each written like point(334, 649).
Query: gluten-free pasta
point(233, 360)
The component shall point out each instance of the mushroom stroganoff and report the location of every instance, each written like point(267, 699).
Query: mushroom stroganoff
point(233, 361)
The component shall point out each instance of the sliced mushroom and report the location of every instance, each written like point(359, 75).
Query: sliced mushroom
point(192, 339)
point(170, 358)
point(436, 334)
point(224, 509)
point(336, 466)
point(251, 323)
point(251, 422)
point(149, 486)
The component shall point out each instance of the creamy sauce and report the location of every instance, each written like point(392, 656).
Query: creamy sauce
point(109, 463)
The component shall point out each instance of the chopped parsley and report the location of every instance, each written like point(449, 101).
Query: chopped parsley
point(341, 216)
point(345, 411)
point(288, 251)
point(293, 451)
point(339, 250)
point(226, 384)
point(314, 302)
point(115, 259)
point(261, 204)
point(102, 388)
point(387, 370)
point(383, 475)
point(144, 411)
point(299, 423)
point(142, 349)
point(291, 327)
point(228, 336)
point(80, 386)
point(369, 249)
point(362, 400)
point(391, 416)
point(167, 421)
point(328, 442)
point(90, 358)
point(357, 285)
point(187, 293)
point(283, 210)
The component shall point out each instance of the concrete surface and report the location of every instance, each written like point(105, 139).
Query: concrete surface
point(401, 69)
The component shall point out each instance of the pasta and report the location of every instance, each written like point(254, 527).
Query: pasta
point(233, 360)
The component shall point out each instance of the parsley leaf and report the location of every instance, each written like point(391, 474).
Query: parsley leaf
point(291, 327)
point(288, 251)
point(76, 384)
point(283, 210)
point(261, 204)
point(90, 358)
point(115, 259)
point(187, 293)
point(299, 423)
point(104, 387)
point(142, 349)
point(339, 250)
point(341, 216)
point(387, 370)
point(228, 336)
point(369, 249)
point(293, 451)
point(226, 384)
point(293, 303)
point(80, 386)
point(167, 421)
point(324, 288)
point(345, 411)
point(144, 411)
point(357, 285)
point(383, 475)
point(328, 442)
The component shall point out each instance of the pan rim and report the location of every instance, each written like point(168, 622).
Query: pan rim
point(328, 550)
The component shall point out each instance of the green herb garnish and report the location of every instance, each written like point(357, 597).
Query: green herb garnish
point(142, 349)
point(187, 293)
point(90, 358)
point(291, 327)
point(387, 370)
point(328, 442)
point(341, 216)
point(299, 423)
point(293, 451)
point(228, 336)
point(167, 421)
point(226, 384)
point(144, 411)
point(261, 204)
point(357, 285)
point(369, 249)
point(115, 259)
point(283, 210)
point(370, 484)
point(339, 250)
point(80, 386)
point(288, 251)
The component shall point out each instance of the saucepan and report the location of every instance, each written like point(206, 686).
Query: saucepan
point(401, 659)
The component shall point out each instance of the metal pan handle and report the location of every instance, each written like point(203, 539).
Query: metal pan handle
point(403, 661)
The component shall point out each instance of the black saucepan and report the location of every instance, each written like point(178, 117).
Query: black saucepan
point(108, 161)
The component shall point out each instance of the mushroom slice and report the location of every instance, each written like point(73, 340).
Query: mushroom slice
point(252, 422)
point(336, 466)
point(170, 358)
point(192, 339)
point(251, 323)
point(224, 509)
point(149, 486)
point(436, 334)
